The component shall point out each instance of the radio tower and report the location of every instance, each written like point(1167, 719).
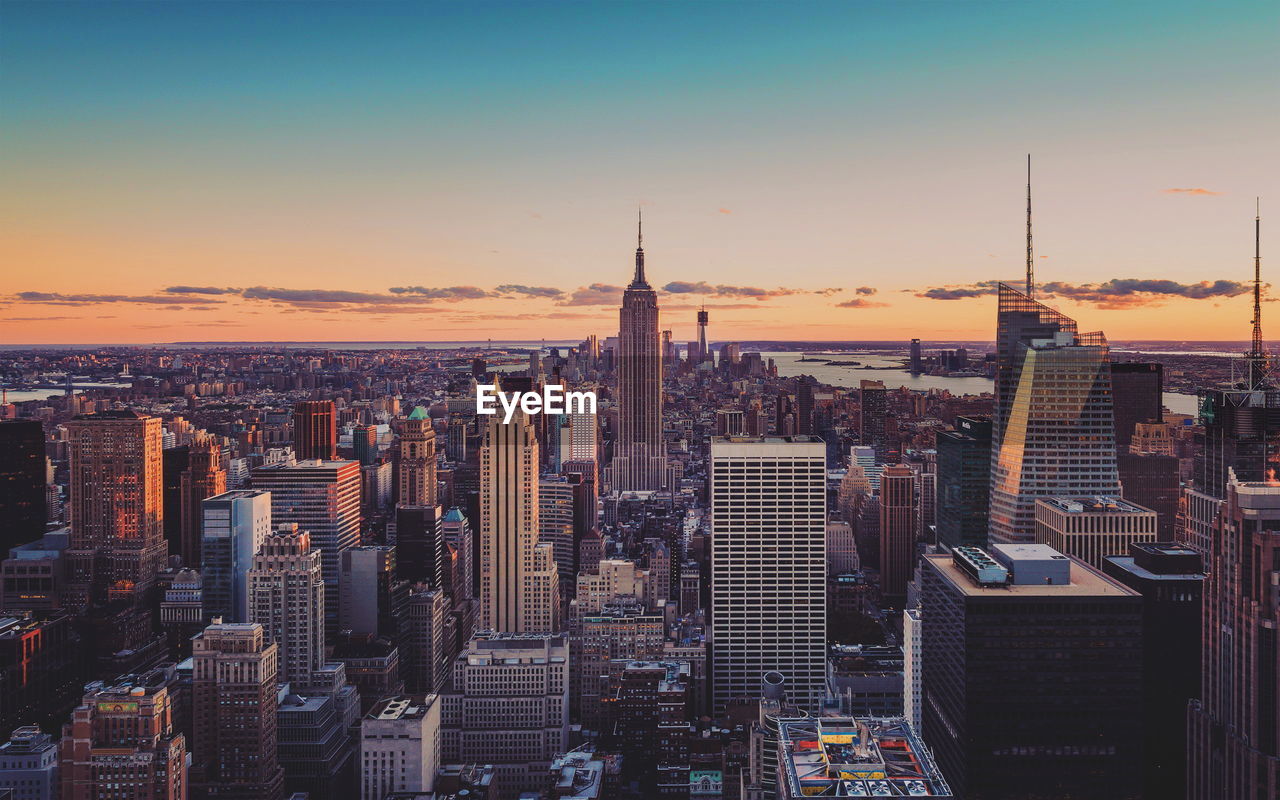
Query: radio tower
point(1031, 266)
point(1257, 355)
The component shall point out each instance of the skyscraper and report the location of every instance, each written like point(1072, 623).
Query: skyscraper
point(1170, 578)
point(897, 531)
point(323, 498)
point(286, 597)
point(22, 481)
point(1031, 675)
point(1137, 391)
point(191, 472)
point(964, 482)
point(233, 527)
point(417, 460)
point(315, 430)
point(704, 352)
point(234, 707)
point(364, 444)
point(1054, 431)
point(1233, 747)
point(874, 410)
point(768, 566)
point(116, 511)
point(639, 462)
point(518, 578)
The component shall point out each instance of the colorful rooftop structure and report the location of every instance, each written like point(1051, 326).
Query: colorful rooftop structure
point(849, 757)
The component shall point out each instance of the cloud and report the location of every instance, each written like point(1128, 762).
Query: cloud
point(445, 293)
point(724, 211)
point(868, 290)
point(57, 299)
point(830, 291)
point(199, 290)
point(597, 294)
point(528, 291)
point(1127, 292)
point(963, 292)
point(1114, 293)
point(861, 302)
point(724, 290)
point(707, 306)
point(303, 297)
point(1196, 192)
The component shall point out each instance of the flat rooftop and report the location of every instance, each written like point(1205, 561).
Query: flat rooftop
point(1099, 504)
point(1085, 582)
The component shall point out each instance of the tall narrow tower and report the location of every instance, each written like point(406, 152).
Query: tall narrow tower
point(704, 353)
point(519, 587)
point(640, 458)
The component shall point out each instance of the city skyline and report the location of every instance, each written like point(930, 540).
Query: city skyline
point(819, 172)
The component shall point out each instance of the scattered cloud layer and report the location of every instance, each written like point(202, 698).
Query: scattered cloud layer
point(200, 290)
point(58, 299)
point(1114, 293)
point(597, 294)
point(1197, 191)
point(861, 302)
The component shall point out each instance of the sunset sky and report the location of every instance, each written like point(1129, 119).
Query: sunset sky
point(451, 171)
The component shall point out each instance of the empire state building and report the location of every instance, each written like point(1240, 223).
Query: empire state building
point(640, 462)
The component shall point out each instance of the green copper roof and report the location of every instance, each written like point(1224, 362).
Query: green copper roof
point(453, 515)
point(418, 413)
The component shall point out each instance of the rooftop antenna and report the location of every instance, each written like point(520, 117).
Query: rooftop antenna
point(1257, 355)
point(1031, 265)
point(639, 281)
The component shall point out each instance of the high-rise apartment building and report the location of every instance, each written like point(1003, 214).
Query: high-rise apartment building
point(315, 430)
point(964, 482)
point(640, 458)
point(232, 528)
point(116, 512)
point(323, 498)
point(1050, 704)
point(1234, 747)
point(121, 744)
point(519, 582)
point(768, 566)
point(1092, 528)
point(508, 705)
point(417, 460)
point(897, 531)
point(234, 714)
point(400, 746)
point(1053, 422)
point(287, 598)
point(22, 482)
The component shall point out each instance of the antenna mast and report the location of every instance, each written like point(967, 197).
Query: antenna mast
point(1031, 265)
point(1257, 355)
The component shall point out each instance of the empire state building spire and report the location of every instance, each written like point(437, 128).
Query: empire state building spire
point(638, 282)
